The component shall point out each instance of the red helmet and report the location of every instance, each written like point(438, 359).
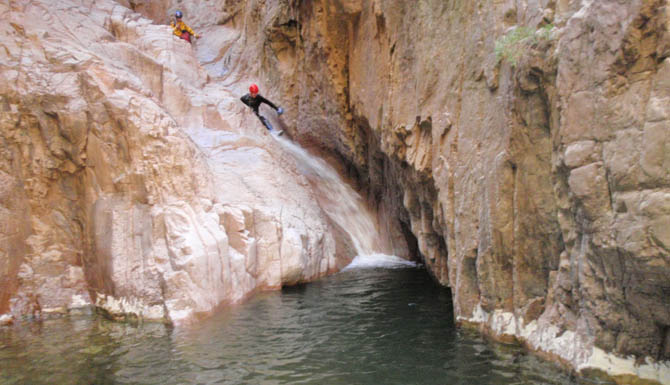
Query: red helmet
point(253, 89)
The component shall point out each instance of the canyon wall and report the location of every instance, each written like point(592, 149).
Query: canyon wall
point(523, 145)
point(135, 182)
point(520, 148)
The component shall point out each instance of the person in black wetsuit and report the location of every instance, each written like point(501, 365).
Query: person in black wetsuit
point(254, 100)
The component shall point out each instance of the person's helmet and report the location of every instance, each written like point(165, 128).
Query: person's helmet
point(253, 89)
point(178, 14)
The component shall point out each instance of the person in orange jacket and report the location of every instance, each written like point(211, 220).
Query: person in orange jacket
point(181, 29)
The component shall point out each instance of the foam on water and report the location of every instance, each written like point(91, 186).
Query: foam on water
point(379, 260)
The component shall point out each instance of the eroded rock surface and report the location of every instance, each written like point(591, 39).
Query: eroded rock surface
point(534, 182)
point(133, 181)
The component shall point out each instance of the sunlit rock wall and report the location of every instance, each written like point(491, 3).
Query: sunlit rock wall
point(534, 182)
point(133, 180)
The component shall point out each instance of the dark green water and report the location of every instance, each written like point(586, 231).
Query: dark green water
point(367, 326)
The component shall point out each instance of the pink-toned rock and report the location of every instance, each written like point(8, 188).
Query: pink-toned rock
point(135, 181)
point(535, 189)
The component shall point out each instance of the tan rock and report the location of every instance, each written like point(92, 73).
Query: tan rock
point(589, 185)
point(546, 161)
point(655, 159)
point(580, 153)
point(138, 180)
point(535, 190)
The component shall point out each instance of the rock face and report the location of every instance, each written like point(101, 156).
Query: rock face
point(133, 180)
point(522, 145)
point(520, 148)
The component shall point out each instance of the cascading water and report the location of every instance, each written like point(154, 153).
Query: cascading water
point(340, 202)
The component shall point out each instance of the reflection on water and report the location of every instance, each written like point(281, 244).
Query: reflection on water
point(361, 326)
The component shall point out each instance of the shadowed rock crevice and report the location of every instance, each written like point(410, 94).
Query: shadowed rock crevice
point(664, 348)
point(402, 196)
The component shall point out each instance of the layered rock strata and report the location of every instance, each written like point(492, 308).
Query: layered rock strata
point(134, 181)
point(524, 145)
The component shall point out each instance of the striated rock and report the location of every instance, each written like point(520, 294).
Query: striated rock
point(133, 182)
point(527, 187)
point(536, 188)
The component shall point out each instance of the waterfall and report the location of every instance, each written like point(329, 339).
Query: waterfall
point(342, 204)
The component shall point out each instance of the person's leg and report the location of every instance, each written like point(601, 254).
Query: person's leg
point(265, 122)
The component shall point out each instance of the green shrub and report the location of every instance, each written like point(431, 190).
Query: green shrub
point(514, 44)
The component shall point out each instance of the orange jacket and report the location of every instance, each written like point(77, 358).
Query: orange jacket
point(180, 26)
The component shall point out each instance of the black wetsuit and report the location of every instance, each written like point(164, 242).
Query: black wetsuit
point(255, 103)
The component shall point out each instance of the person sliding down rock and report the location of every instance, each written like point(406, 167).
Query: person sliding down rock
point(181, 29)
point(253, 99)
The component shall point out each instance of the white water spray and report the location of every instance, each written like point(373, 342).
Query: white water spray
point(379, 260)
point(340, 202)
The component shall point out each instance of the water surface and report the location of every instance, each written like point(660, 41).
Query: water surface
point(361, 326)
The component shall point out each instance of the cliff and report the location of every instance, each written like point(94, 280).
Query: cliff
point(519, 148)
point(522, 145)
point(135, 182)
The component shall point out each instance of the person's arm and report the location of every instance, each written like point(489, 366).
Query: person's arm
point(269, 103)
point(245, 99)
point(189, 30)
